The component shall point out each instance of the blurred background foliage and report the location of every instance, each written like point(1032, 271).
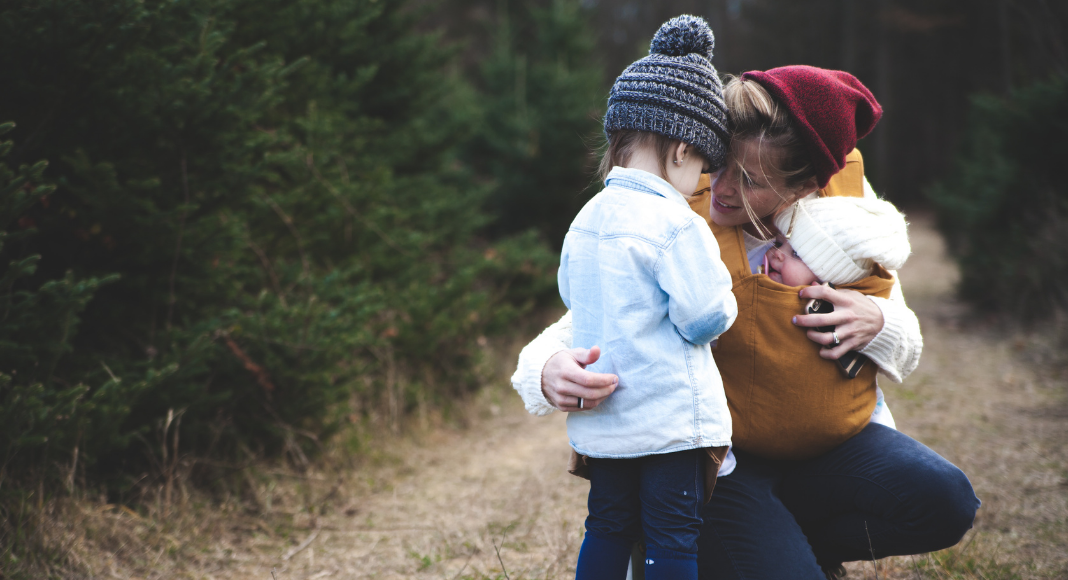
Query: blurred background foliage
point(231, 227)
point(1004, 205)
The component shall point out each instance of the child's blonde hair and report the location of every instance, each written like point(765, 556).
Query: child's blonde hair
point(622, 145)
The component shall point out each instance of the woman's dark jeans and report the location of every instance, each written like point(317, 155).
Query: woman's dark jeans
point(879, 494)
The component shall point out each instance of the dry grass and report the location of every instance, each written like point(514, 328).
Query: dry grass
point(485, 496)
point(476, 496)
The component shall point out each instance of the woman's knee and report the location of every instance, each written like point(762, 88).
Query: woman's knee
point(949, 506)
point(938, 500)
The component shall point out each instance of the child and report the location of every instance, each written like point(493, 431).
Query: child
point(643, 278)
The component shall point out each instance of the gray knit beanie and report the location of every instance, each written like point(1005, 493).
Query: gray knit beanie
point(674, 91)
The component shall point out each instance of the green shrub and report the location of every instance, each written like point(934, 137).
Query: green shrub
point(38, 415)
point(544, 96)
point(260, 227)
point(1004, 207)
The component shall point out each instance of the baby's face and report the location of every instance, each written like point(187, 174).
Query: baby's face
point(785, 267)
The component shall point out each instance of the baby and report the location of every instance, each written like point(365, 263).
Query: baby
point(837, 240)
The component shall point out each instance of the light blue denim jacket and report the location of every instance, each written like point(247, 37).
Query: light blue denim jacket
point(642, 276)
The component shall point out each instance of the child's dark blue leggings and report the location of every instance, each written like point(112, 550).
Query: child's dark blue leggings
point(658, 495)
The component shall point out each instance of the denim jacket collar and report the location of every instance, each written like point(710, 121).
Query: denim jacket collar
point(641, 180)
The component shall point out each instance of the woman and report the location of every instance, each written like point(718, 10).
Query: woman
point(880, 493)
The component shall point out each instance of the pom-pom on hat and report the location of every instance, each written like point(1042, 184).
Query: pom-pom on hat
point(831, 108)
point(675, 91)
point(841, 238)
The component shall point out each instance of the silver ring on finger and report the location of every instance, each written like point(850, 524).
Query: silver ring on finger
point(581, 403)
point(834, 335)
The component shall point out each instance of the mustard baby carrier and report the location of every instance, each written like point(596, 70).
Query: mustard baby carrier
point(785, 401)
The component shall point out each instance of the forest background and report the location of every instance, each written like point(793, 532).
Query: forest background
point(235, 230)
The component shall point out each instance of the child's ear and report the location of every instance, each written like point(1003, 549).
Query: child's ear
point(681, 151)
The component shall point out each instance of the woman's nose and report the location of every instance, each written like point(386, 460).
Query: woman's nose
point(720, 180)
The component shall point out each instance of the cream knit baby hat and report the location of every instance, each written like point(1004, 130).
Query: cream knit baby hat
point(841, 238)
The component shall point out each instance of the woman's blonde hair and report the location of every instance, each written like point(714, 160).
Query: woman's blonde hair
point(781, 154)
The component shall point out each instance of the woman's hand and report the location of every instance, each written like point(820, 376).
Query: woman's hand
point(856, 320)
point(564, 380)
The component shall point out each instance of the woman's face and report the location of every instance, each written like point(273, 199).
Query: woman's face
point(743, 175)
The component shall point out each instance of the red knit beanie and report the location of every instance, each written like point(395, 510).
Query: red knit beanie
point(831, 108)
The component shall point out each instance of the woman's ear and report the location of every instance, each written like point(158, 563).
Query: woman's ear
point(803, 190)
point(809, 186)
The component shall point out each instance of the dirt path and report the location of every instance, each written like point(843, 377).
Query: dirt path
point(495, 499)
point(444, 507)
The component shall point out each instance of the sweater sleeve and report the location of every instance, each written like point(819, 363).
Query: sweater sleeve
point(527, 377)
point(897, 348)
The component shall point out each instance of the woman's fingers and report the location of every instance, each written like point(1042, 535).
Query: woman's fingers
point(830, 351)
point(836, 318)
point(566, 398)
point(586, 356)
point(591, 387)
point(564, 380)
point(825, 293)
point(838, 298)
point(856, 320)
point(570, 403)
point(589, 384)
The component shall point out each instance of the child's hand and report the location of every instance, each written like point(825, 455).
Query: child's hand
point(569, 387)
point(856, 320)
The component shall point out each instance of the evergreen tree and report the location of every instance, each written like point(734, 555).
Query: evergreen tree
point(1004, 208)
point(277, 186)
point(544, 95)
point(38, 414)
